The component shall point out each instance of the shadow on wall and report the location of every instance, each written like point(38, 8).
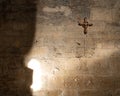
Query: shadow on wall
point(17, 29)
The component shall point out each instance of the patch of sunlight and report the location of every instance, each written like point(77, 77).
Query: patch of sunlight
point(37, 82)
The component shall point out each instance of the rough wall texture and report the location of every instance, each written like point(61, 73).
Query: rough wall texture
point(73, 64)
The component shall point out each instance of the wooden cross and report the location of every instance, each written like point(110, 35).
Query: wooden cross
point(85, 25)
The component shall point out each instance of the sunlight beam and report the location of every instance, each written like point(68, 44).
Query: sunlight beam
point(35, 66)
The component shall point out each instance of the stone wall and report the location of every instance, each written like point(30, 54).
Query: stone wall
point(75, 64)
point(72, 64)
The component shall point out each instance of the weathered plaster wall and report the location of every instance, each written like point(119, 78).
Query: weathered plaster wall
point(72, 64)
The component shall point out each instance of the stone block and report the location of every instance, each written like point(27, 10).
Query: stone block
point(91, 93)
point(69, 92)
point(47, 93)
point(101, 14)
point(115, 67)
point(81, 82)
point(104, 4)
point(55, 82)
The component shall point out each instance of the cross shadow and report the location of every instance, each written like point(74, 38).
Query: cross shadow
point(17, 29)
